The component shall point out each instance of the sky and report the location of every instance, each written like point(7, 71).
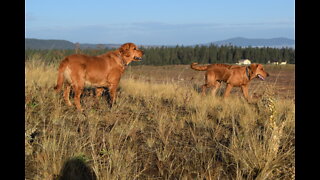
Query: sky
point(158, 22)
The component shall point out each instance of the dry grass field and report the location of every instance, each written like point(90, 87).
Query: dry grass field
point(160, 128)
point(282, 78)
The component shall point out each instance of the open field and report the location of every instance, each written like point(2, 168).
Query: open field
point(161, 128)
point(282, 78)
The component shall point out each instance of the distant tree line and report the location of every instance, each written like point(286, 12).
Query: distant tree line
point(216, 54)
point(187, 54)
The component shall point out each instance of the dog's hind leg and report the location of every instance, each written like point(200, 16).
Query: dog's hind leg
point(61, 70)
point(66, 94)
point(211, 82)
point(77, 95)
point(215, 88)
point(78, 85)
point(204, 88)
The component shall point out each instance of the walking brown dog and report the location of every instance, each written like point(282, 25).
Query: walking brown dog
point(233, 75)
point(103, 71)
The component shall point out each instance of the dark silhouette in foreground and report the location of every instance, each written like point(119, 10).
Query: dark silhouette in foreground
point(76, 169)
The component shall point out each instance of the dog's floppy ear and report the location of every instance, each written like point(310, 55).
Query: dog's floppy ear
point(124, 49)
point(253, 68)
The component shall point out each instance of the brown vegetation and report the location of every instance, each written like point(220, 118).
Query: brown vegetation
point(158, 129)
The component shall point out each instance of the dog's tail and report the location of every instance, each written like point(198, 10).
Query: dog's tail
point(61, 69)
point(198, 68)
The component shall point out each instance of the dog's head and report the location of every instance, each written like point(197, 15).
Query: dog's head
point(257, 71)
point(130, 52)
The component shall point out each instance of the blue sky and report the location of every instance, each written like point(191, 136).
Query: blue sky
point(155, 22)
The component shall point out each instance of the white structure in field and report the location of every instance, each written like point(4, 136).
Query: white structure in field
point(277, 62)
point(244, 62)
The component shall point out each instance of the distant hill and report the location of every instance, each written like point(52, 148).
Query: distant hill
point(102, 46)
point(245, 42)
point(48, 44)
point(62, 44)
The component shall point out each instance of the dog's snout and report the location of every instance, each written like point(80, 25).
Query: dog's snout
point(268, 74)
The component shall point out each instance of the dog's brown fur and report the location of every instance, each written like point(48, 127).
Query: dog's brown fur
point(233, 75)
point(103, 71)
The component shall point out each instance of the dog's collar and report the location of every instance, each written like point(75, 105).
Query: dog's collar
point(247, 72)
point(122, 61)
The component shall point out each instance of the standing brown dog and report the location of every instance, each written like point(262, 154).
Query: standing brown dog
point(78, 71)
point(233, 75)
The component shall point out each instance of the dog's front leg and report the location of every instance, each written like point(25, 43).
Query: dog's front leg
point(245, 92)
point(113, 94)
point(228, 90)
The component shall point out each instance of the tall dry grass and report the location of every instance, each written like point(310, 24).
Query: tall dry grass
point(156, 131)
